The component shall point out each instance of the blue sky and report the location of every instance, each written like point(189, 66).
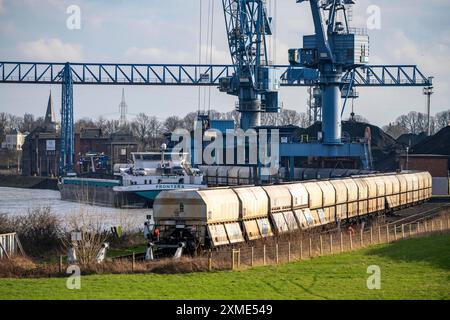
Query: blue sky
point(167, 31)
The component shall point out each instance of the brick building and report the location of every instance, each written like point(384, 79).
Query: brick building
point(436, 164)
point(41, 149)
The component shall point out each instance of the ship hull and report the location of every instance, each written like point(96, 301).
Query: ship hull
point(110, 193)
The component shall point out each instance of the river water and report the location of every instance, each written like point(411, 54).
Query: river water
point(18, 202)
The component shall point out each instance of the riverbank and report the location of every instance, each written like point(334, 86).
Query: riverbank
point(18, 181)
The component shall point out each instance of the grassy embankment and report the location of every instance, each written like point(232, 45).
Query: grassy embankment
point(410, 269)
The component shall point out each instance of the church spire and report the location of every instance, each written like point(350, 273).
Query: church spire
point(123, 109)
point(50, 117)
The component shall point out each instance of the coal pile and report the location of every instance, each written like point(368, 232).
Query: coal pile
point(385, 149)
point(411, 139)
point(436, 144)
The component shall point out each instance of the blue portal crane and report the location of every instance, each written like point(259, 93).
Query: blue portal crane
point(70, 74)
point(254, 82)
point(333, 50)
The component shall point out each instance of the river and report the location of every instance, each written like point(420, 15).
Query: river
point(18, 202)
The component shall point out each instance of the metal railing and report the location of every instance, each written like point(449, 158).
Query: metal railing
point(10, 245)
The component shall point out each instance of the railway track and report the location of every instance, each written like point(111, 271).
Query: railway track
point(420, 213)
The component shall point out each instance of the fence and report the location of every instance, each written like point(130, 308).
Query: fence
point(303, 246)
point(10, 245)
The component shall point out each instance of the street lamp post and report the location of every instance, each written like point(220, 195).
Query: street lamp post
point(407, 159)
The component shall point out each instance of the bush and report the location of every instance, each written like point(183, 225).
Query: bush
point(39, 231)
point(5, 224)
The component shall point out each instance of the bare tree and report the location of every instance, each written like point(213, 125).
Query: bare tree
point(189, 119)
point(3, 126)
point(285, 117)
point(156, 135)
point(442, 119)
point(394, 130)
point(111, 126)
point(172, 123)
point(140, 127)
point(84, 123)
point(29, 124)
point(93, 233)
point(414, 122)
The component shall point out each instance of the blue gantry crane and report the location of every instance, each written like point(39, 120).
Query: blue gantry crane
point(335, 58)
point(254, 82)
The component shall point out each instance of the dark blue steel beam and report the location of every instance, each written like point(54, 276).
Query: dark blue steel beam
point(388, 76)
point(196, 75)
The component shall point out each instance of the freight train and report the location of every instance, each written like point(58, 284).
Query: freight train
point(200, 219)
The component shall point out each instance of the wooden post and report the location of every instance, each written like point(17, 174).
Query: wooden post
point(321, 245)
point(301, 249)
point(133, 262)
point(210, 260)
point(432, 227)
point(395, 232)
point(289, 251)
point(448, 224)
point(264, 254)
point(351, 241)
point(440, 225)
point(361, 237)
point(418, 228)
point(371, 235)
point(276, 253)
point(425, 226)
point(60, 263)
point(310, 246)
point(379, 234)
point(331, 243)
point(342, 241)
point(232, 259)
point(403, 231)
point(239, 258)
point(387, 234)
point(410, 231)
point(253, 257)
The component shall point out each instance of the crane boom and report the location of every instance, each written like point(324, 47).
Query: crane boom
point(254, 82)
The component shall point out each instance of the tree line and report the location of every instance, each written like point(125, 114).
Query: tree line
point(149, 130)
point(416, 123)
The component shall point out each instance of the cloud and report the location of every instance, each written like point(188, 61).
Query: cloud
point(2, 7)
point(50, 50)
point(408, 51)
point(159, 55)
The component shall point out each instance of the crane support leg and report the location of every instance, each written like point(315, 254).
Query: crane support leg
point(67, 139)
point(331, 114)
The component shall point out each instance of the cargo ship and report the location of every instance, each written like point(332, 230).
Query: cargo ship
point(134, 185)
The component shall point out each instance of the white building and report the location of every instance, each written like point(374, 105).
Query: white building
point(14, 140)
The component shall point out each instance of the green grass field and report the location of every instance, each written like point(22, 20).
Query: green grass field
point(410, 269)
